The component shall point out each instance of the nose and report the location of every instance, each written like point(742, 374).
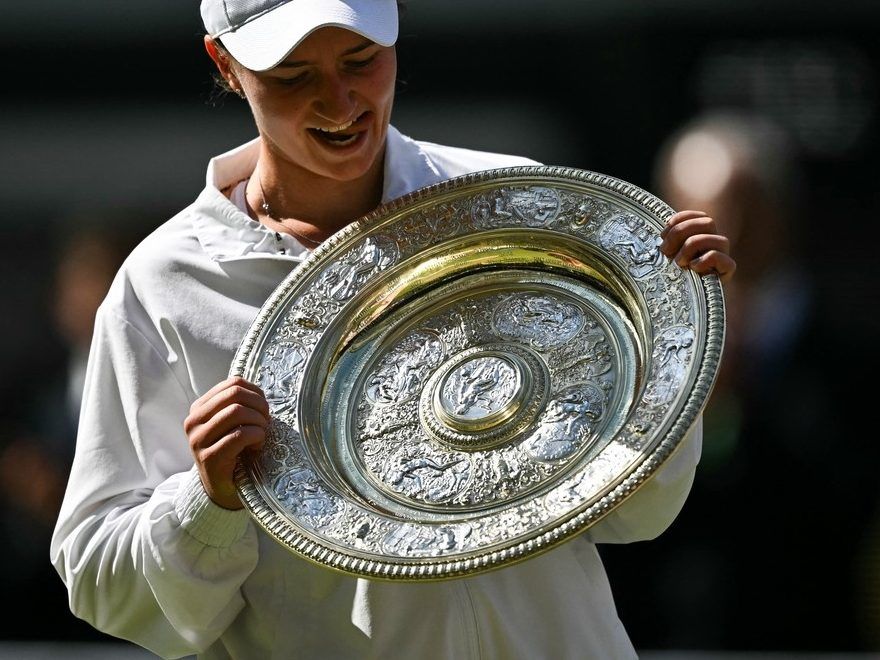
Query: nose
point(335, 101)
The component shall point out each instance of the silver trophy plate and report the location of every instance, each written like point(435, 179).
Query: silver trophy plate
point(474, 373)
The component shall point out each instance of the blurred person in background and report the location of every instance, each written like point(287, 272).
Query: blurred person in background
point(152, 540)
point(765, 555)
point(38, 447)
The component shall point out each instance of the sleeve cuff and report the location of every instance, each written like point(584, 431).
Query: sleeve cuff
point(205, 521)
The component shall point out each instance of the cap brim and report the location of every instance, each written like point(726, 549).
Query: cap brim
point(265, 41)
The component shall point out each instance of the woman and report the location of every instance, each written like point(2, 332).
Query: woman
point(152, 541)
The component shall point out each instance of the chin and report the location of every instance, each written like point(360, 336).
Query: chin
point(351, 169)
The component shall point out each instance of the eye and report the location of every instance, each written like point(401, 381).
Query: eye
point(361, 64)
point(293, 80)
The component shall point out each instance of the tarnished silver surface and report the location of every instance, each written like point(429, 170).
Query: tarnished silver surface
point(474, 373)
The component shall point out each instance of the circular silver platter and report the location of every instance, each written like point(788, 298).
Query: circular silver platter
point(474, 373)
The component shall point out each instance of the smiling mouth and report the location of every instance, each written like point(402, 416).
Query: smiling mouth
point(341, 135)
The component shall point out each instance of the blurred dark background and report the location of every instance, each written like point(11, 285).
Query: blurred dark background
point(109, 118)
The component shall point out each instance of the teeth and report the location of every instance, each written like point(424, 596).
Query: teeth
point(336, 129)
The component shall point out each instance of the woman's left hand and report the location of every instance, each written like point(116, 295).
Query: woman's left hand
point(691, 240)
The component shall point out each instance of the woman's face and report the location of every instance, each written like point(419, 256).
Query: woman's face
point(326, 107)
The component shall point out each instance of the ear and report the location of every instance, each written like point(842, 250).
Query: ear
point(221, 60)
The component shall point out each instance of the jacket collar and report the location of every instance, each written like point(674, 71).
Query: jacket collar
point(226, 233)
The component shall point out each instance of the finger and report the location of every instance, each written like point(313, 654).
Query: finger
point(698, 244)
point(234, 393)
point(714, 262)
point(675, 235)
point(219, 458)
point(224, 422)
point(681, 216)
point(216, 464)
point(232, 381)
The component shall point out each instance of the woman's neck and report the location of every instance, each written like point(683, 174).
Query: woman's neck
point(289, 198)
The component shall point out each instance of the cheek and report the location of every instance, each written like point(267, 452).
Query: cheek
point(383, 83)
point(273, 117)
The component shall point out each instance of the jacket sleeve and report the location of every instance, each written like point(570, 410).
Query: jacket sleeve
point(144, 553)
point(649, 511)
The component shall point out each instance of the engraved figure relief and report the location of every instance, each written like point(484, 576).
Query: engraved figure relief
point(378, 426)
point(282, 451)
point(441, 221)
point(533, 207)
point(459, 328)
point(628, 237)
point(589, 212)
point(365, 531)
point(637, 431)
point(304, 319)
point(427, 227)
point(345, 277)
point(505, 467)
point(360, 533)
point(502, 474)
point(277, 455)
point(672, 354)
point(508, 523)
point(419, 473)
point(575, 491)
point(312, 312)
point(537, 319)
point(409, 540)
point(566, 423)
point(403, 370)
point(667, 297)
point(588, 357)
point(510, 471)
point(301, 492)
point(280, 373)
point(479, 387)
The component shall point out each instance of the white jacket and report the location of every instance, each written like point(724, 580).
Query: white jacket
point(147, 557)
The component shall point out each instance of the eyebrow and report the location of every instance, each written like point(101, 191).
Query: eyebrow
point(351, 51)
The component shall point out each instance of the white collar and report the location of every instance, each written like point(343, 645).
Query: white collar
point(226, 233)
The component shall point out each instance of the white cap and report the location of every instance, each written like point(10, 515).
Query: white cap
point(260, 33)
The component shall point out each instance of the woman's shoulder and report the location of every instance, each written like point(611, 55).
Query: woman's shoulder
point(461, 160)
point(156, 263)
point(170, 242)
point(451, 161)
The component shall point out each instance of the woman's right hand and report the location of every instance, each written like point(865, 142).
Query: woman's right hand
point(230, 418)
